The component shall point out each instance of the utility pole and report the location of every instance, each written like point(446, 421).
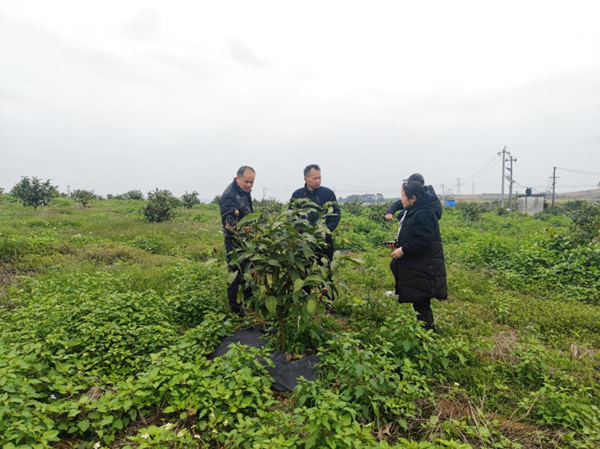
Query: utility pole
point(553, 185)
point(510, 186)
point(443, 195)
point(264, 192)
point(458, 186)
point(472, 188)
point(503, 152)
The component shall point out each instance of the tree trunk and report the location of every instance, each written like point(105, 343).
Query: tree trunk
point(281, 332)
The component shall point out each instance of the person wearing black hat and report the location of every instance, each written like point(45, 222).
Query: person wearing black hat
point(397, 206)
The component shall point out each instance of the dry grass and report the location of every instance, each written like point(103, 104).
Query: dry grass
point(455, 415)
point(504, 344)
point(578, 352)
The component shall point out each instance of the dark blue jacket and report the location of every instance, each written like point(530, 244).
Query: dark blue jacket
point(321, 196)
point(232, 199)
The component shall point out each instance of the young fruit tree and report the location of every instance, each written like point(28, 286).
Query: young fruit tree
point(133, 195)
point(190, 199)
point(288, 276)
point(34, 192)
point(82, 196)
point(159, 206)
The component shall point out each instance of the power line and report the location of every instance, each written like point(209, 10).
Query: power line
point(584, 185)
point(579, 171)
point(487, 167)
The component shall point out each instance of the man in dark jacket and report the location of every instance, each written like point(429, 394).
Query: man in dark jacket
point(397, 206)
point(318, 194)
point(236, 203)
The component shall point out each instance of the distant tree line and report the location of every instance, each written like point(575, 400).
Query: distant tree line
point(158, 207)
point(364, 198)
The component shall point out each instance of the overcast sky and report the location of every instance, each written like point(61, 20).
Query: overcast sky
point(121, 95)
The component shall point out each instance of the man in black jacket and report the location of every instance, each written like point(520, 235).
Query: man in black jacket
point(236, 203)
point(397, 206)
point(318, 194)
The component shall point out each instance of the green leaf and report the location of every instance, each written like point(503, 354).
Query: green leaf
point(298, 284)
point(271, 303)
point(314, 278)
point(107, 420)
point(210, 262)
point(249, 218)
point(311, 306)
point(83, 425)
point(50, 435)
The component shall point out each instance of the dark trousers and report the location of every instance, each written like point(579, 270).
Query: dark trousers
point(425, 314)
point(326, 252)
point(234, 286)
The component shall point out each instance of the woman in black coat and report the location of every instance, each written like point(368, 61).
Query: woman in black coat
point(418, 258)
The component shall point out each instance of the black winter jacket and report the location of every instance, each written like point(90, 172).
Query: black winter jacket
point(397, 205)
point(320, 196)
point(421, 272)
point(232, 199)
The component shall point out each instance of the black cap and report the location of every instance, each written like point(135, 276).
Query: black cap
point(417, 177)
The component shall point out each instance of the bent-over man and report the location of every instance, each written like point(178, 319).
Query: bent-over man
point(236, 203)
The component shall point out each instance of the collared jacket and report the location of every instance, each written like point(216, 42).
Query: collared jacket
point(321, 196)
point(397, 205)
point(232, 199)
point(421, 272)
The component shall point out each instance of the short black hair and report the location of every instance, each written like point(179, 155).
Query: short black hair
point(310, 167)
point(243, 169)
point(413, 188)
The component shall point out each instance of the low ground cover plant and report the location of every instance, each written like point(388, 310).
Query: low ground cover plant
point(107, 323)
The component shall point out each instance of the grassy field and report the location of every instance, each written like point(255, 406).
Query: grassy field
point(106, 322)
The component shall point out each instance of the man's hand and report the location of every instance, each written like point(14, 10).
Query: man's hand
point(388, 216)
point(246, 229)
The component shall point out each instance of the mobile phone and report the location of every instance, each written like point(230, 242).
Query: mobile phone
point(391, 242)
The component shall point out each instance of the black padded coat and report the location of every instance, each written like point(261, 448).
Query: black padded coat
point(421, 272)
